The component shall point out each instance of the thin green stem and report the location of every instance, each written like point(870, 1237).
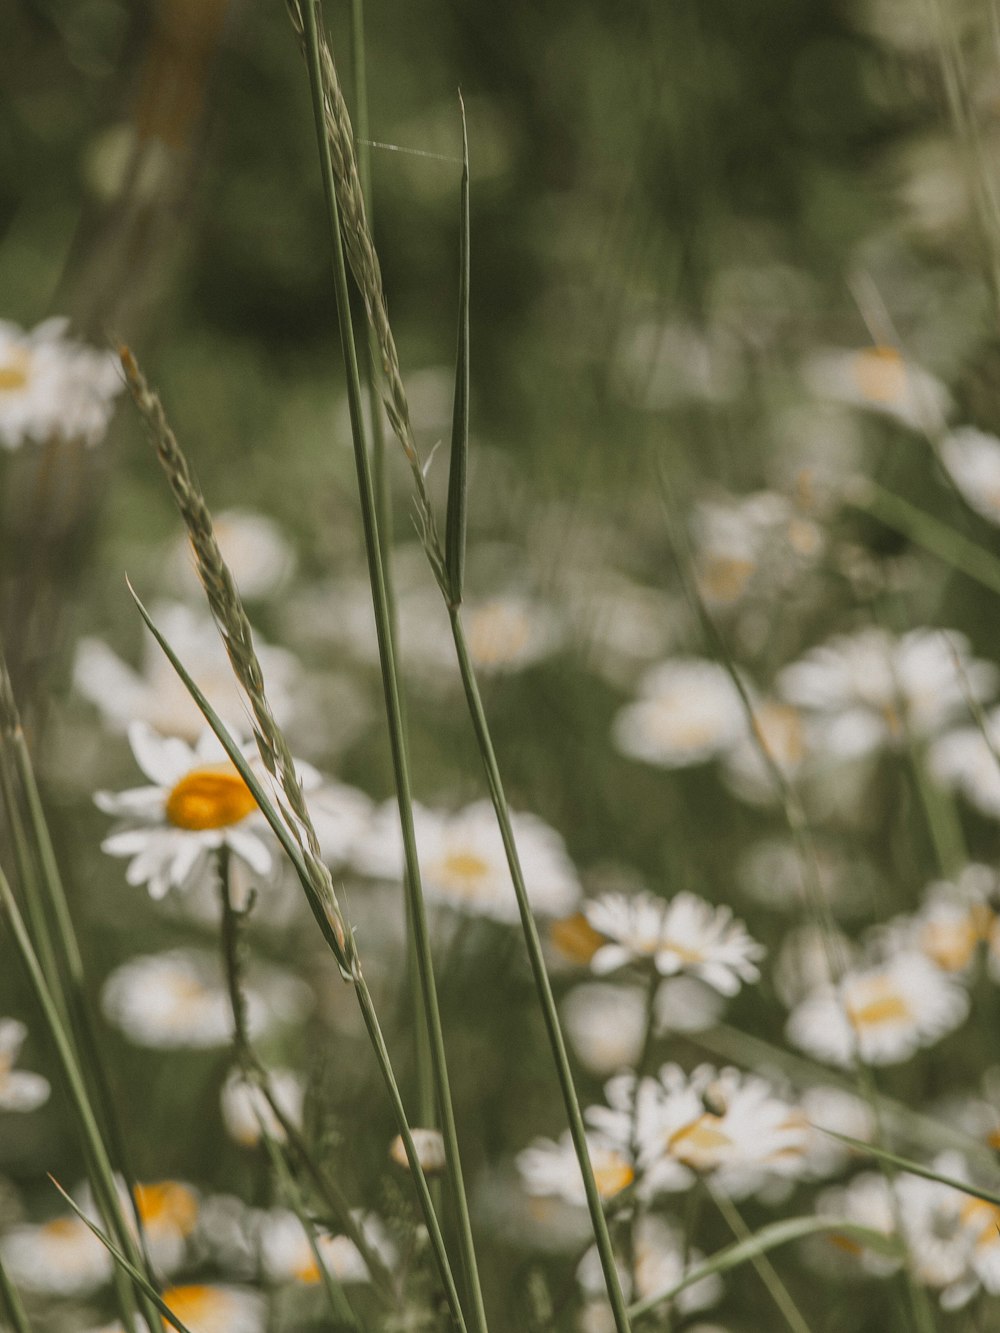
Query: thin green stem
point(11, 1305)
point(541, 977)
point(103, 1180)
point(765, 1269)
point(418, 916)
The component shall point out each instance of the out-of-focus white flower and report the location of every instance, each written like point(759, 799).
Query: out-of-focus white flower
point(463, 863)
point(882, 1013)
point(59, 1258)
point(868, 688)
point(828, 1108)
point(606, 1025)
point(214, 1308)
point(757, 540)
point(866, 1200)
point(973, 461)
point(258, 554)
point(19, 1090)
point(178, 999)
point(550, 1168)
point(881, 380)
point(169, 1211)
point(685, 1004)
point(782, 738)
point(710, 1122)
point(660, 365)
point(688, 711)
point(954, 919)
point(287, 1255)
point(340, 816)
point(685, 934)
point(155, 694)
point(817, 450)
point(198, 804)
point(808, 955)
point(965, 760)
point(52, 387)
point(619, 626)
point(245, 1108)
point(660, 1259)
point(940, 1243)
point(430, 1151)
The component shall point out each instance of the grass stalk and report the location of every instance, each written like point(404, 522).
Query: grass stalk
point(102, 1173)
point(418, 916)
point(11, 1305)
point(765, 1269)
point(426, 1112)
point(539, 972)
point(341, 944)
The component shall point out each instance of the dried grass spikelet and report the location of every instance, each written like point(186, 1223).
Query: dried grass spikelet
point(363, 261)
point(231, 619)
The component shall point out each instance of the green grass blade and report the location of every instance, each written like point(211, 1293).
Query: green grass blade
point(455, 526)
point(924, 530)
point(147, 1288)
point(11, 1306)
point(768, 1238)
point(915, 1168)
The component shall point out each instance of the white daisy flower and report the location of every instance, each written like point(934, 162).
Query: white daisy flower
point(245, 1108)
point(58, 1258)
point(830, 1108)
point(551, 1169)
point(660, 1258)
point(685, 1004)
point(880, 380)
point(19, 1090)
point(287, 1255)
point(259, 556)
point(619, 626)
point(954, 919)
point(156, 695)
point(169, 1211)
point(869, 688)
point(742, 542)
point(884, 1013)
point(866, 1200)
point(972, 458)
point(685, 934)
point(179, 999)
point(463, 863)
point(52, 387)
point(965, 760)
point(785, 735)
point(605, 1025)
point(430, 1151)
point(712, 1122)
point(214, 1308)
point(340, 816)
point(688, 711)
point(940, 1232)
point(198, 803)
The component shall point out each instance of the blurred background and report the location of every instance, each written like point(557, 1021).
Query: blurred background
point(682, 215)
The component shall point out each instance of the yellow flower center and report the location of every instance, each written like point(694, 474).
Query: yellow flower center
point(14, 372)
point(700, 1143)
point(62, 1228)
point(463, 872)
point(497, 634)
point(210, 797)
point(880, 373)
point(724, 578)
point(575, 938)
point(612, 1175)
point(195, 1303)
point(950, 944)
point(984, 1218)
point(779, 730)
point(885, 1006)
point(167, 1204)
point(307, 1269)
